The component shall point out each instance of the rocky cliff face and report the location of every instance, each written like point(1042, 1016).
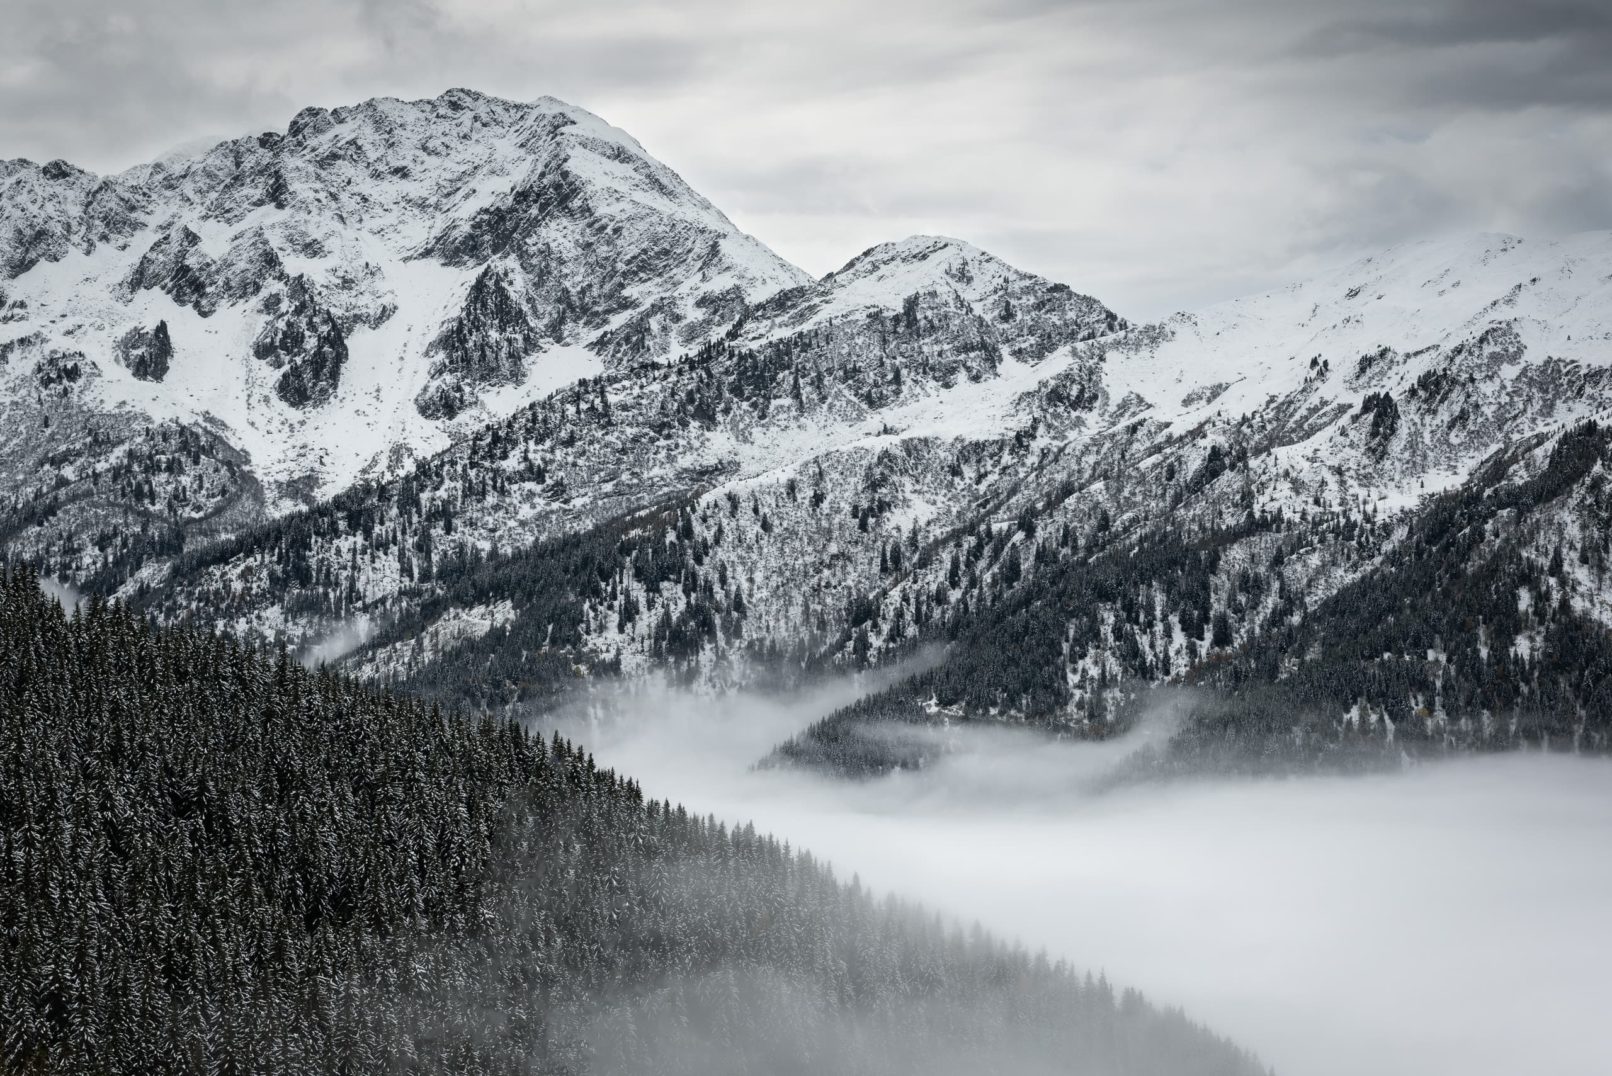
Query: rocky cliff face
point(486, 343)
point(146, 352)
point(48, 212)
point(855, 471)
point(840, 380)
point(355, 255)
point(1217, 499)
point(303, 340)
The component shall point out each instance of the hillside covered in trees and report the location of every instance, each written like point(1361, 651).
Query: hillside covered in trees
point(1475, 626)
point(212, 856)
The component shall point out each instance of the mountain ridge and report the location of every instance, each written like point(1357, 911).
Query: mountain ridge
point(809, 474)
point(367, 208)
point(308, 283)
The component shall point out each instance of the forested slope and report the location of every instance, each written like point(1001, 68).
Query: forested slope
point(1478, 623)
point(215, 861)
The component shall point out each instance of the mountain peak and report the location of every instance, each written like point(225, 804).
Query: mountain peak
point(466, 94)
point(387, 211)
point(947, 290)
point(913, 250)
point(886, 275)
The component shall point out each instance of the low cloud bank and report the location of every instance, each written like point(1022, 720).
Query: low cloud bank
point(1450, 919)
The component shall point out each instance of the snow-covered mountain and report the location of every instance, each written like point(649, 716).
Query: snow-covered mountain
point(856, 469)
point(552, 417)
point(1372, 508)
point(827, 375)
point(1397, 526)
point(359, 289)
point(1444, 349)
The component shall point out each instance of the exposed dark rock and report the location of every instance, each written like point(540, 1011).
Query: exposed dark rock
point(500, 229)
point(176, 265)
point(29, 248)
point(295, 237)
point(305, 342)
point(146, 352)
point(11, 347)
point(113, 212)
point(277, 190)
point(249, 266)
point(638, 335)
point(309, 123)
point(59, 170)
point(485, 344)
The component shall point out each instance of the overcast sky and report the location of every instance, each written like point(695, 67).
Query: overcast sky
point(1156, 153)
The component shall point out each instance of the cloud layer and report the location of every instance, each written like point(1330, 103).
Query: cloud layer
point(1157, 153)
point(1447, 920)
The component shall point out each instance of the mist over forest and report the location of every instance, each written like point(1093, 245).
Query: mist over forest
point(1446, 917)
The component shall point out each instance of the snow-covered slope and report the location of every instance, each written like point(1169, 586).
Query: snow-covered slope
point(938, 270)
point(1256, 499)
point(1371, 509)
point(373, 281)
point(1472, 342)
point(828, 375)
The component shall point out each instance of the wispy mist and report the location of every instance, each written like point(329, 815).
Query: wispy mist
point(1450, 919)
point(69, 596)
point(339, 642)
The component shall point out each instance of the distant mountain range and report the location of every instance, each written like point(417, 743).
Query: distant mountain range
point(480, 398)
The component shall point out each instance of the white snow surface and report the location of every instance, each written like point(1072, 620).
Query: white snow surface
point(1419, 296)
point(370, 192)
point(1544, 307)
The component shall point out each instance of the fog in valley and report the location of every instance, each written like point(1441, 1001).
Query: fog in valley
point(1447, 919)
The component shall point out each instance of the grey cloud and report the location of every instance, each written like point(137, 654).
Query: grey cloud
point(103, 85)
point(1157, 153)
point(1478, 54)
point(1474, 22)
point(1577, 79)
point(1582, 205)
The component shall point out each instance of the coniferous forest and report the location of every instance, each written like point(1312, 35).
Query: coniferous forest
point(1502, 659)
point(213, 860)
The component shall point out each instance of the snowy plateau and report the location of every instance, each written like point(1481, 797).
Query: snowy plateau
point(486, 394)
